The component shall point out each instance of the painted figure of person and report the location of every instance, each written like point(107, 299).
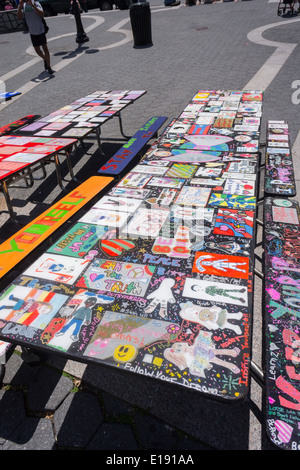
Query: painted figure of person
point(221, 291)
point(200, 356)
point(82, 315)
point(210, 317)
point(25, 311)
point(219, 264)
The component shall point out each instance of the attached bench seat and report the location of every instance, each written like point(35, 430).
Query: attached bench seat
point(282, 321)
point(279, 170)
point(8, 128)
point(22, 243)
point(125, 156)
point(26, 240)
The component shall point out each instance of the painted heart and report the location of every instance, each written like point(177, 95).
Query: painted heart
point(115, 247)
point(284, 431)
point(273, 347)
point(271, 400)
point(96, 277)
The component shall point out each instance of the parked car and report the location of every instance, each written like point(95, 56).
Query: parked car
point(53, 7)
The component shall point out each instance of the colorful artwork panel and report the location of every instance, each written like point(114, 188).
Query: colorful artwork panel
point(119, 337)
point(221, 265)
point(234, 223)
point(146, 222)
point(97, 216)
point(191, 196)
point(279, 174)
point(117, 276)
point(156, 278)
point(57, 268)
point(215, 291)
point(282, 289)
point(30, 307)
point(232, 200)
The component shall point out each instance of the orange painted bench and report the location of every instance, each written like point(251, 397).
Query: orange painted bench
point(22, 243)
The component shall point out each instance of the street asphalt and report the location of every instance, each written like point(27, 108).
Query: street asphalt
point(228, 45)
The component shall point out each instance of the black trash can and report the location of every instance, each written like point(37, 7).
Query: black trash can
point(140, 17)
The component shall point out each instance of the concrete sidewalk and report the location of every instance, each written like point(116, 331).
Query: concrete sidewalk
point(68, 405)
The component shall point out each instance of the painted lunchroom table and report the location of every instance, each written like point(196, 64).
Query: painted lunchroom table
point(20, 156)
point(84, 116)
point(157, 277)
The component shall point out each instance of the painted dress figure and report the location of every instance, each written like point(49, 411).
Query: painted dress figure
point(212, 318)
point(200, 356)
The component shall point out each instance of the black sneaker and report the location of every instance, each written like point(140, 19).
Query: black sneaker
point(50, 71)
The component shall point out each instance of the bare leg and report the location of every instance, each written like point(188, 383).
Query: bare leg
point(46, 54)
point(227, 352)
point(39, 52)
point(228, 365)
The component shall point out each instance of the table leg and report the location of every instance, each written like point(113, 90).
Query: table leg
point(42, 167)
point(30, 177)
point(8, 201)
point(257, 373)
point(121, 126)
point(98, 133)
point(70, 166)
point(33, 358)
point(58, 173)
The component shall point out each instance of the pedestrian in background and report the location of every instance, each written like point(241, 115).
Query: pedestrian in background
point(291, 5)
point(33, 13)
point(8, 6)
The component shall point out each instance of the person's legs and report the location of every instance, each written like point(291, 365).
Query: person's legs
point(39, 52)
point(46, 54)
point(39, 42)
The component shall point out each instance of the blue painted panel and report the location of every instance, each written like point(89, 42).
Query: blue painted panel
point(116, 164)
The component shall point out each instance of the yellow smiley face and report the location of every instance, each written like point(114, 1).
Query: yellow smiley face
point(125, 353)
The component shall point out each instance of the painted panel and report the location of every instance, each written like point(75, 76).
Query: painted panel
point(282, 307)
point(116, 164)
point(279, 172)
point(8, 128)
point(157, 277)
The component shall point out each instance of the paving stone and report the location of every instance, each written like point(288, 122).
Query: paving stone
point(47, 390)
point(114, 436)
point(12, 412)
point(18, 372)
point(32, 434)
point(153, 433)
point(77, 420)
point(114, 405)
point(186, 443)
